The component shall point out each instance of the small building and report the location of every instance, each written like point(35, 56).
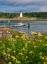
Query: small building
point(20, 14)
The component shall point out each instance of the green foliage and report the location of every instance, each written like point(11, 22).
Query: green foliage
point(8, 15)
point(36, 14)
point(40, 15)
point(24, 49)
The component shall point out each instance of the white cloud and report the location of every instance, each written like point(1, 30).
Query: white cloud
point(43, 9)
point(25, 5)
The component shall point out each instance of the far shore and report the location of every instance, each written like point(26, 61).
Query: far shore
point(22, 19)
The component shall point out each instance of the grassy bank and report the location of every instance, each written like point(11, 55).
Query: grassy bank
point(22, 19)
point(24, 49)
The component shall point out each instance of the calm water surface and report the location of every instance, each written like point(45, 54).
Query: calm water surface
point(38, 26)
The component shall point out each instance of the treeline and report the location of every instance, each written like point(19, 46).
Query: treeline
point(29, 15)
point(8, 15)
point(36, 14)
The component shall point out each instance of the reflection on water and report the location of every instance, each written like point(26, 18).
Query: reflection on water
point(39, 26)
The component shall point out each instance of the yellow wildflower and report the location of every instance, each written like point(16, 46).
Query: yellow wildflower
point(39, 34)
point(45, 37)
point(9, 63)
point(35, 46)
point(13, 57)
point(20, 53)
point(40, 41)
point(29, 42)
point(17, 36)
point(45, 63)
point(45, 45)
point(26, 56)
point(17, 61)
point(23, 49)
point(42, 57)
point(9, 39)
point(4, 53)
point(30, 52)
point(23, 37)
point(26, 43)
point(34, 33)
point(46, 58)
point(40, 53)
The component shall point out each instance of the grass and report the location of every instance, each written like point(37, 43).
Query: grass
point(24, 49)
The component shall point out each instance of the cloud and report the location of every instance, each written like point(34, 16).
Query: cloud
point(25, 1)
point(24, 5)
point(43, 9)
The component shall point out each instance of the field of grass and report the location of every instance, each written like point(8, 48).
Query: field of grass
point(24, 49)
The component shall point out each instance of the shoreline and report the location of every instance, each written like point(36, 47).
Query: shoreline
point(8, 29)
point(21, 19)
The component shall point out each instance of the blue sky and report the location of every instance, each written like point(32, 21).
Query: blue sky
point(23, 5)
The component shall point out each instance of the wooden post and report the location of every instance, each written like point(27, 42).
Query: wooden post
point(9, 23)
point(28, 28)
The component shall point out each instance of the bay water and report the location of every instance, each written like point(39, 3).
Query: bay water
point(37, 26)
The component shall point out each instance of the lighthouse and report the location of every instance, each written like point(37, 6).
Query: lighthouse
point(20, 14)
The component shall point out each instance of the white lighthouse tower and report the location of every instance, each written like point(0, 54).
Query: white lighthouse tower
point(20, 14)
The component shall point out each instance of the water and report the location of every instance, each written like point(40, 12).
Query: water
point(38, 26)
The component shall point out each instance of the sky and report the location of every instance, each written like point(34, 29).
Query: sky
point(23, 5)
